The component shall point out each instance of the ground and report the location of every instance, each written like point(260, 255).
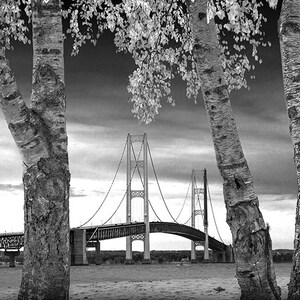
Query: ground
point(156, 281)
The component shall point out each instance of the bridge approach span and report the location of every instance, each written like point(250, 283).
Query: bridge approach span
point(94, 233)
point(13, 240)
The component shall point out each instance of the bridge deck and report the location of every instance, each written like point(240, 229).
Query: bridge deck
point(121, 230)
point(16, 240)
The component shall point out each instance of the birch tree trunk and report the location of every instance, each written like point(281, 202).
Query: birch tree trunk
point(289, 35)
point(250, 236)
point(40, 134)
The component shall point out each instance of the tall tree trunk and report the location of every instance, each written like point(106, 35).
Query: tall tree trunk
point(40, 134)
point(289, 34)
point(250, 236)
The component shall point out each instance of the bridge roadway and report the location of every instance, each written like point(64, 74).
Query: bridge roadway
point(94, 233)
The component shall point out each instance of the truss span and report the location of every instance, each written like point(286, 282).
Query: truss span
point(128, 229)
point(13, 240)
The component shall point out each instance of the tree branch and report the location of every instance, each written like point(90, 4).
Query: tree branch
point(24, 125)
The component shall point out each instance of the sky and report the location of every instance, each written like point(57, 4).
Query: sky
point(99, 118)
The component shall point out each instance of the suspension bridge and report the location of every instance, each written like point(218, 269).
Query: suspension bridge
point(137, 186)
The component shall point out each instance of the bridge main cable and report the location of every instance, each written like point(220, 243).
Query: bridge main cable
point(186, 195)
point(139, 154)
point(114, 178)
point(154, 171)
point(212, 210)
point(154, 211)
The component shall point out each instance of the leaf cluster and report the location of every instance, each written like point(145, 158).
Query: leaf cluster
point(155, 33)
point(239, 26)
point(12, 25)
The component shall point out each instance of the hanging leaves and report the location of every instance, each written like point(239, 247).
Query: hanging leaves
point(239, 24)
point(158, 36)
point(155, 33)
point(12, 26)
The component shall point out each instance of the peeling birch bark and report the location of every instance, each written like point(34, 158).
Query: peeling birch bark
point(289, 35)
point(250, 236)
point(40, 134)
point(22, 122)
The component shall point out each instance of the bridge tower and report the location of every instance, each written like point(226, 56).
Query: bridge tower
point(135, 164)
point(196, 191)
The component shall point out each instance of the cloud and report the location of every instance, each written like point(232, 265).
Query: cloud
point(11, 187)
point(77, 193)
point(99, 119)
point(11, 165)
point(279, 203)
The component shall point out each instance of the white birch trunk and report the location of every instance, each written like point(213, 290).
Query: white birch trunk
point(40, 134)
point(250, 236)
point(289, 34)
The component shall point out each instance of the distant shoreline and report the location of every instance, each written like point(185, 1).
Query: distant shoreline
point(158, 256)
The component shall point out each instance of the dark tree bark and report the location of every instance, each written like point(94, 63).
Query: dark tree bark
point(250, 236)
point(40, 134)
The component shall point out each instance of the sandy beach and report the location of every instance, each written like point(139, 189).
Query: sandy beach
point(165, 281)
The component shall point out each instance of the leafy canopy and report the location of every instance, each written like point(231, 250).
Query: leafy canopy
point(158, 36)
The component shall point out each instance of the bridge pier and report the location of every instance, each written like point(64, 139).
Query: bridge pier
point(229, 254)
point(193, 253)
point(11, 255)
point(78, 247)
point(146, 261)
point(128, 258)
point(97, 253)
point(224, 256)
point(219, 256)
